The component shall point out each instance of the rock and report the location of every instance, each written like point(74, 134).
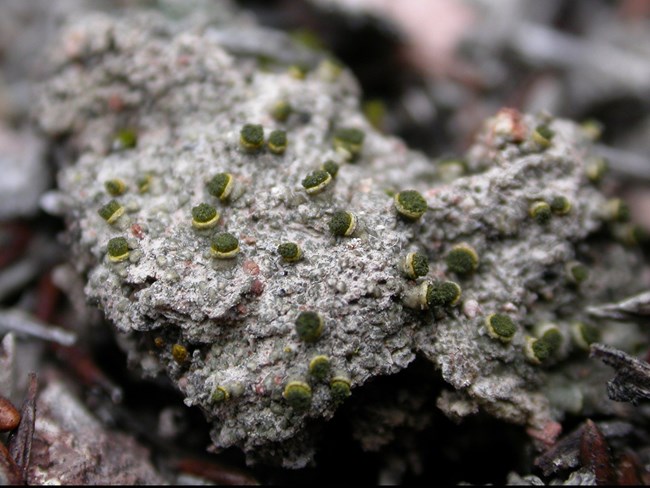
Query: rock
point(185, 98)
point(9, 415)
point(71, 447)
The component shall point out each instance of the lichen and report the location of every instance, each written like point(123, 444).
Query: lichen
point(251, 137)
point(309, 326)
point(343, 223)
point(224, 246)
point(236, 319)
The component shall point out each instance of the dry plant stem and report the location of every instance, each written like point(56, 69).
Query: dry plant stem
point(25, 324)
point(215, 472)
point(632, 380)
point(82, 365)
point(634, 307)
point(595, 454)
point(629, 469)
point(10, 474)
point(20, 442)
point(565, 454)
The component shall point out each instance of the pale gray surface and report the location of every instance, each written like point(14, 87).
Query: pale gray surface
point(189, 98)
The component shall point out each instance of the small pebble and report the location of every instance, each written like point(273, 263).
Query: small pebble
point(9, 416)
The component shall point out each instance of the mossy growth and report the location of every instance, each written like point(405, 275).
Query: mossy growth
point(553, 338)
point(542, 135)
point(415, 265)
point(584, 335)
point(220, 394)
point(111, 211)
point(451, 168)
point(329, 69)
point(298, 395)
point(560, 205)
point(204, 216)
point(308, 38)
point(118, 249)
point(251, 137)
point(281, 111)
point(618, 210)
point(595, 169)
point(348, 141)
point(576, 272)
point(500, 327)
point(309, 326)
point(542, 349)
point(540, 211)
point(462, 259)
point(115, 187)
point(592, 128)
point(340, 388)
point(343, 223)
point(316, 182)
point(630, 234)
point(375, 112)
point(220, 186)
point(410, 204)
point(144, 183)
point(443, 294)
point(277, 142)
point(179, 353)
point(298, 71)
point(224, 246)
point(319, 367)
point(126, 138)
point(331, 167)
point(290, 252)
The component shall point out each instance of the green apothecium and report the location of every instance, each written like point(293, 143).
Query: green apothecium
point(349, 141)
point(410, 204)
point(220, 186)
point(111, 211)
point(500, 327)
point(118, 249)
point(290, 252)
point(462, 259)
point(224, 246)
point(309, 326)
point(343, 224)
point(277, 142)
point(316, 182)
point(298, 395)
point(204, 216)
point(251, 137)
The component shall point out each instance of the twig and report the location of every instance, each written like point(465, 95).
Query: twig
point(629, 308)
point(22, 323)
point(82, 365)
point(216, 472)
point(9, 472)
point(20, 443)
point(632, 380)
point(595, 455)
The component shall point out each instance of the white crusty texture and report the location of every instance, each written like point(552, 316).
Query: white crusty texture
point(187, 98)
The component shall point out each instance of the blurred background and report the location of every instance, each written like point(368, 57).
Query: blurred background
point(431, 71)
